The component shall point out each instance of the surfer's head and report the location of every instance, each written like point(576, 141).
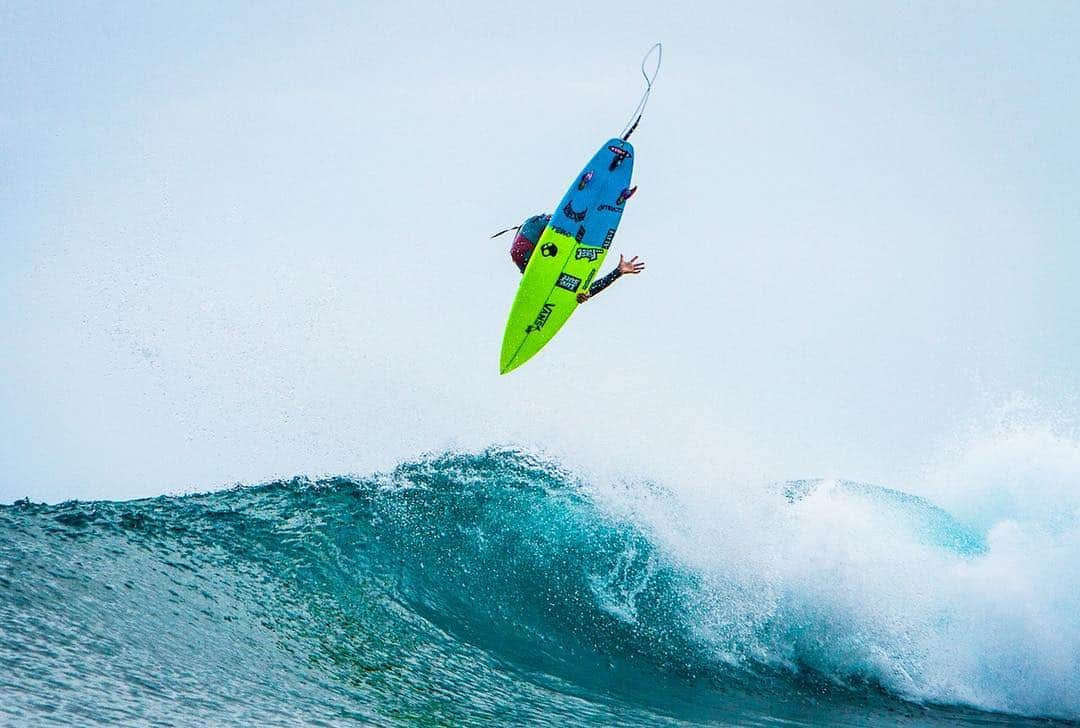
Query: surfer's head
point(525, 241)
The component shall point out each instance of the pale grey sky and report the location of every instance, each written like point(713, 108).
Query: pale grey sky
point(244, 241)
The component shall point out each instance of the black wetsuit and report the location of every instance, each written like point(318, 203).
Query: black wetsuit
point(601, 283)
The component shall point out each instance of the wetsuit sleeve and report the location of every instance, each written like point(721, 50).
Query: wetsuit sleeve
point(602, 283)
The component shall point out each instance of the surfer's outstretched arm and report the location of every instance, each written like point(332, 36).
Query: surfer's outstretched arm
point(631, 267)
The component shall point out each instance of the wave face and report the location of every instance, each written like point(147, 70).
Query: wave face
point(499, 588)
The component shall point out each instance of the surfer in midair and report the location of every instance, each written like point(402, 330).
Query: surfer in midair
point(525, 242)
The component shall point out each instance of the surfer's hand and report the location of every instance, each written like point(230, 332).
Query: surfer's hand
point(582, 297)
point(632, 266)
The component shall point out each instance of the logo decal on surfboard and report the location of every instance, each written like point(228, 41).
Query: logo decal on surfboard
point(549, 250)
point(572, 214)
point(541, 318)
point(568, 282)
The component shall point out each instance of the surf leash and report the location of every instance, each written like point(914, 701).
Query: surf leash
point(635, 118)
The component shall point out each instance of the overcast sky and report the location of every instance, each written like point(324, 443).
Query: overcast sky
point(240, 242)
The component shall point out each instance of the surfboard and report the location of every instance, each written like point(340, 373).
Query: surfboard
point(568, 254)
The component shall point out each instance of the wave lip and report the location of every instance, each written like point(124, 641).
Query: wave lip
point(927, 522)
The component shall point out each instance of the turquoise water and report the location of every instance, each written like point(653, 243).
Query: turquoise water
point(498, 588)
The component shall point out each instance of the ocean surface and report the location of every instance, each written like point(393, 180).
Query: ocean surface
point(502, 588)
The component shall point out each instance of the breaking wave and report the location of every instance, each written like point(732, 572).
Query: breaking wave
point(498, 586)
